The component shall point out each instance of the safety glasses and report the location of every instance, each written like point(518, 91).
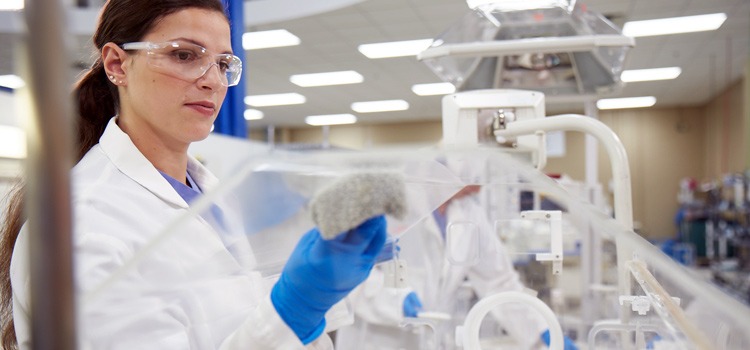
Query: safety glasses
point(188, 61)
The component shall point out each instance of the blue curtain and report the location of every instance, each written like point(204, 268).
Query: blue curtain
point(231, 120)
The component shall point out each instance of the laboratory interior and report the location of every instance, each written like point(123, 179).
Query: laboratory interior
point(563, 174)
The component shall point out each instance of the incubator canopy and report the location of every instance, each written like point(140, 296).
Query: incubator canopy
point(556, 47)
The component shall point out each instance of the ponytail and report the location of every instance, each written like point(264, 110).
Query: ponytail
point(14, 220)
point(97, 103)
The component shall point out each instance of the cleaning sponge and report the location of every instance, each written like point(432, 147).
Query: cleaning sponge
point(354, 198)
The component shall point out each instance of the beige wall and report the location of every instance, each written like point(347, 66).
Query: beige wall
point(363, 136)
point(664, 145)
point(725, 133)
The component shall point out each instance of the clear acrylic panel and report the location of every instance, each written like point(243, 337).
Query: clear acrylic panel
point(607, 287)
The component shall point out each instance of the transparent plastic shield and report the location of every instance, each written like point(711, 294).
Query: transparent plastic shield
point(475, 210)
point(556, 48)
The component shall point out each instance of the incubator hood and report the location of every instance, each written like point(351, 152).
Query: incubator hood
point(556, 47)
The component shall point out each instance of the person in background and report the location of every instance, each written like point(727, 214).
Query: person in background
point(438, 285)
point(162, 70)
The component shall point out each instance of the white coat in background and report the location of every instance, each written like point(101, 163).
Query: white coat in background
point(192, 292)
point(441, 286)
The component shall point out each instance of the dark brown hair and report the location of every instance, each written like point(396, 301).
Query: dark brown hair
point(120, 21)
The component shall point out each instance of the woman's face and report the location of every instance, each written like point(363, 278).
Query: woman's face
point(161, 109)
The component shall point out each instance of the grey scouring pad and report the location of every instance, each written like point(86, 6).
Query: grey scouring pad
point(354, 198)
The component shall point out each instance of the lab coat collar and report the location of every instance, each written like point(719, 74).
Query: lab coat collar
point(202, 176)
point(117, 145)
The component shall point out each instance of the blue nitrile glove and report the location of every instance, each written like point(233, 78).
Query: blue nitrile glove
point(390, 250)
point(320, 273)
point(568, 343)
point(650, 344)
point(412, 305)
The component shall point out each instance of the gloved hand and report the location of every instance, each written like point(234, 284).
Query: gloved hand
point(568, 343)
point(390, 250)
point(320, 273)
point(412, 305)
point(650, 345)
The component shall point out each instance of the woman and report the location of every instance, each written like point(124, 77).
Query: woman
point(163, 70)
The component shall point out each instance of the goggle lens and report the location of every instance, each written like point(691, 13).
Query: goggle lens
point(189, 61)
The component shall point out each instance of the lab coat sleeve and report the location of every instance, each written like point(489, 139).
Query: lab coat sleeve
point(168, 336)
point(112, 321)
point(266, 327)
point(494, 274)
point(148, 325)
point(522, 322)
point(375, 303)
point(136, 316)
point(19, 276)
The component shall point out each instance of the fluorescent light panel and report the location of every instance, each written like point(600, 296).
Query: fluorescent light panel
point(253, 114)
point(331, 119)
point(12, 142)
point(674, 25)
point(394, 48)
point(433, 89)
point(380, 106)
point(291, 98)
point(329, 78)
point(11, 81)
point(269, 38)
point(627, 102)
point(635, 75)
point(11, 5)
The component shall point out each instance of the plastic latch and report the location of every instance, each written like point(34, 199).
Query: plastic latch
point(638, 303)
point(554, 220)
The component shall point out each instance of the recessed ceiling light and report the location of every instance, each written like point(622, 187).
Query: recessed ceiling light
point(394, 48)
point(291, 98)
point(433, 89)
point(269, 38)
point(380, 106)
point(253, 114)
point(626, 102)
point(329, 78)
point(11, 5)
point(674, 25)
point(636, 75)
point(331, 119)
point(12, 142)
point(11, 81)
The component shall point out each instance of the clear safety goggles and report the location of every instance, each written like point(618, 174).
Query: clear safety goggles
point(189, 61)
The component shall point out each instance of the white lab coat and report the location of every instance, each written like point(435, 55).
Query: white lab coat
point(190, 292)
point(441, 286)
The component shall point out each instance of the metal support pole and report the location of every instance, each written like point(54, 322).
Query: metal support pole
point(591, 242)
point(592, 153)
point(326, 136)
point(271, 136)
point(49, 161)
